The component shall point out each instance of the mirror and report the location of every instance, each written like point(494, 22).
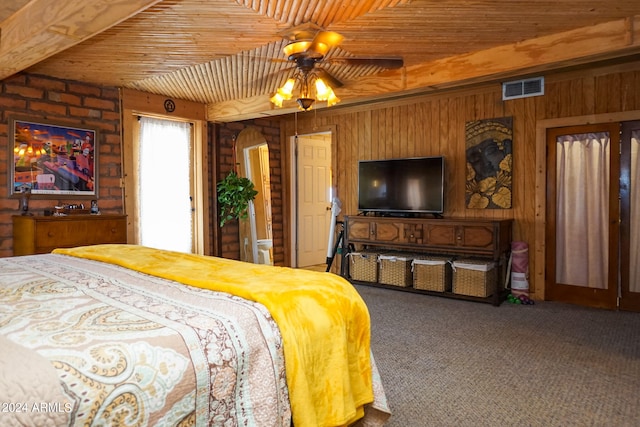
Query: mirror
point(256, 238)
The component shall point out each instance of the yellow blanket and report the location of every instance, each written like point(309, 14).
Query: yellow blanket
point(323, 321)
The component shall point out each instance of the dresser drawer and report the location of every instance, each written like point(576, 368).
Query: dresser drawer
point(383, 231)
point(79, 233)
point(37, 234)
point(477, 238)
point(358, 230)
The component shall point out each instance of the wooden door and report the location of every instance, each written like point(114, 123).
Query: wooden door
point(630, 217)
point(581, 264)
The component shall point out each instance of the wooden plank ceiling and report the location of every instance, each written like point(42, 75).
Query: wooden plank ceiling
point(228, 53)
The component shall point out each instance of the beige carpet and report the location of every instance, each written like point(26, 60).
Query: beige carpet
point(447, 362)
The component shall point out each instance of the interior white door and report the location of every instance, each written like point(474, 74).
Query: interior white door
point(314, 198)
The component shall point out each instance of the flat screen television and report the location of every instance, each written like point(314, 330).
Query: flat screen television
point(401, 186)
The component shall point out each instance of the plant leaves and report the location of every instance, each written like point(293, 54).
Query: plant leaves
point(234, 195)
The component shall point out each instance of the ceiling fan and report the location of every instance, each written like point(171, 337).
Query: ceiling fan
point(307, 49)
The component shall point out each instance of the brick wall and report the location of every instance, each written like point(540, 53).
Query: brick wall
point(68, 102)
point(228, 242)
point(76, 103)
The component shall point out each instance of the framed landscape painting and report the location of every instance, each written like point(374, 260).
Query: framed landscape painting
point(52, 160)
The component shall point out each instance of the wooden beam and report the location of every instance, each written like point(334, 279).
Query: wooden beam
point(244, 109)
point(149, 103)
point(576, 47)
point(43, 28)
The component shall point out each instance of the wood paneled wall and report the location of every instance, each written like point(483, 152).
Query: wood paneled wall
point(435, 125)
point(419, 126)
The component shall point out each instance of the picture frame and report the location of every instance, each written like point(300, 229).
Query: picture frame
point(488, 152)
point(52, 160)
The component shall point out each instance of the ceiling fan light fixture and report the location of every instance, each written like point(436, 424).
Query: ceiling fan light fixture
point(310, 81)
point(283, 93)
point(305, 103)
point(332, 99)
point(286, 91)
point(306, 99)
point(277, 100)
point(300, 48)
point(321, 48)
point(296, 47)
point(322, 90)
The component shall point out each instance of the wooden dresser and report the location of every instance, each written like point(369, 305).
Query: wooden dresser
point(479, 238)
point(42, 234)
point(488, 238)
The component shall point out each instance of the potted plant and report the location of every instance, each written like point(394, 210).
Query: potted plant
point(234, 195)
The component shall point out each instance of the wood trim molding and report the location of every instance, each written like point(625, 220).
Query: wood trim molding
point(539, 249)
point(162, 106)
point(140, 103)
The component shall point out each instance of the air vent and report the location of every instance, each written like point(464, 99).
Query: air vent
point(523, 88)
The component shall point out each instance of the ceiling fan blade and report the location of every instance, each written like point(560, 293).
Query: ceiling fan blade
point(328, 78)
point(272, 77)
point(267, 59)
point(390, 63)
point(324, 40)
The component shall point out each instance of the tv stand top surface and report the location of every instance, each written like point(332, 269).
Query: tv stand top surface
point(401, 214)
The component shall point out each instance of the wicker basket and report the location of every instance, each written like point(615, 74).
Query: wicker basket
point(395, 269)
point(363, 266)
point(432, 273)
point(474, 278)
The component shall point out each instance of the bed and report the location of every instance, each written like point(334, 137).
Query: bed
point(129, 335)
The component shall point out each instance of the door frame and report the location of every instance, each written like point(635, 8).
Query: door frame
point(293, 175)
point(583, 295)
point(538, 272)
point(628, 300)
point(248, 139)
point(136, 103)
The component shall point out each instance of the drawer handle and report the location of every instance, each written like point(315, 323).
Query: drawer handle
point(51, 234)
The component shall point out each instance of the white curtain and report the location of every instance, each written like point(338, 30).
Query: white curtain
point(582, 209)
point(164, 184)
point(634, 256)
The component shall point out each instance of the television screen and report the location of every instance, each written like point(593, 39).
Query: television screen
point(411, 185)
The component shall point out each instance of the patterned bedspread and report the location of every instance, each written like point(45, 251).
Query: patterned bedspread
point(88, 343)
